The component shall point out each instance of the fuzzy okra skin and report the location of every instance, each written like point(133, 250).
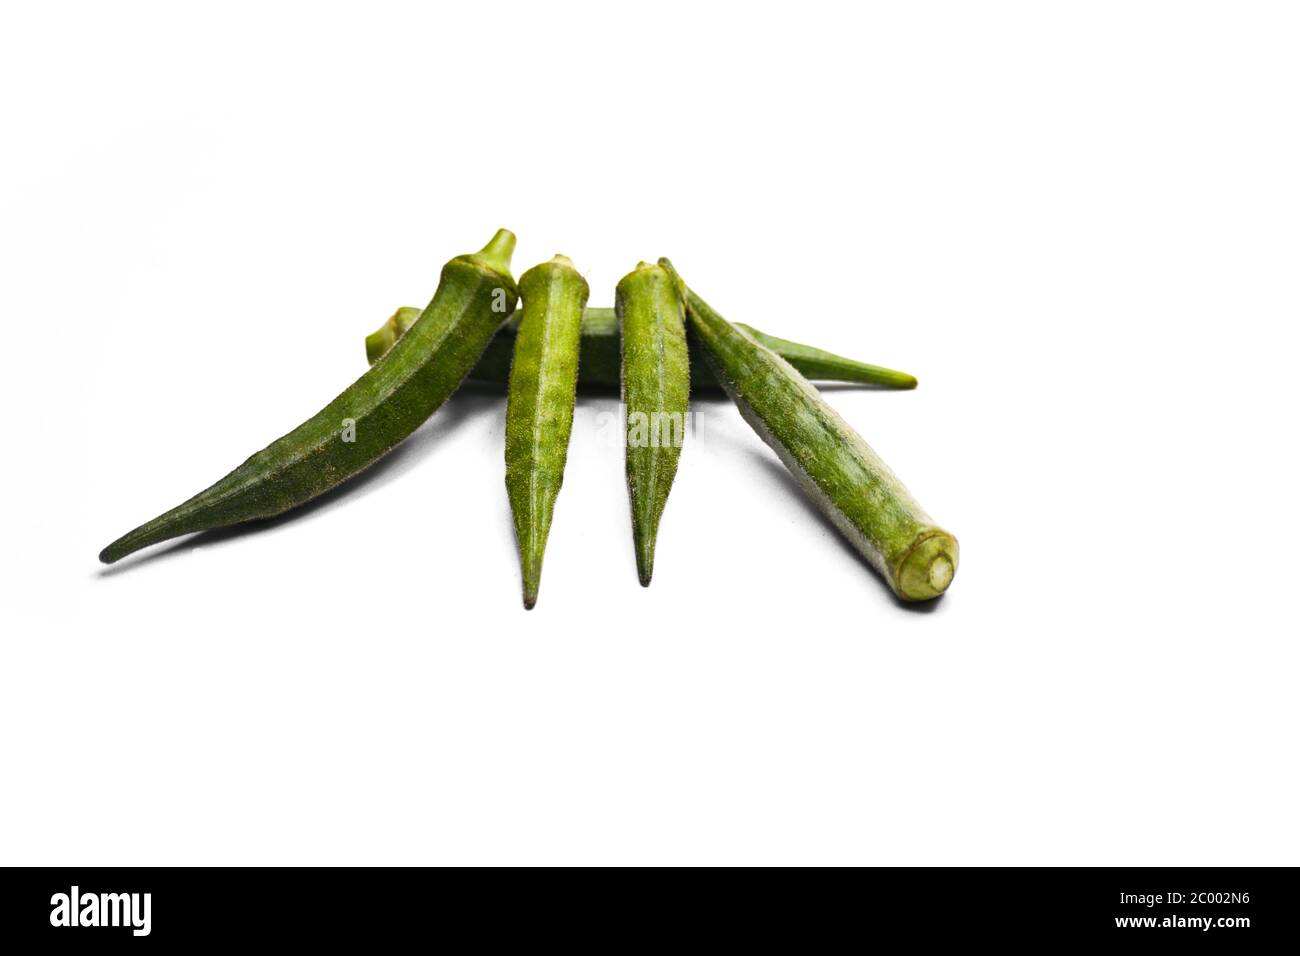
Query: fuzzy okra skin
point(833, 464)
point(602, 359)
point(656, 392)
point(539, 405)
point(475, 295)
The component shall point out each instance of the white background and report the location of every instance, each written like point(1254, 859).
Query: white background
point(1076, 223)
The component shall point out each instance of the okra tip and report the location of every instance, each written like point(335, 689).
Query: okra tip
point(645, 559)
point(531, 566)
point(928, 568)
point(130, 543)
point(112, 553)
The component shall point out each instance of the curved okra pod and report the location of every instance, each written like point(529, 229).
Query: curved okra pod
point(539, 406)
point(602, 358)
point(475, 295)
point(656, 391)
point(833, 464)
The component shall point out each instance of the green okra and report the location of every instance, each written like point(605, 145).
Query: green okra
point(539, 405)
point(832, 462)
point(656, 392)
point(601, 362)
point(475, 295)
point(825, 366)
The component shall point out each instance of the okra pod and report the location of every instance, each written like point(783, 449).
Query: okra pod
point(475, 295)
point(602, 358)
point(815, 363)
point(539, 406)
point(833, 464)
point(656, 391)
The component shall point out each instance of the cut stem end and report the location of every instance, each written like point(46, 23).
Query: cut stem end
point(928, 569)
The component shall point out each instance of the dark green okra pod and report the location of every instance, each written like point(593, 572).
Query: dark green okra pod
point(475, 295)
point(832, 462)
point(656, 391)
point(602, 359)
point(539, 406)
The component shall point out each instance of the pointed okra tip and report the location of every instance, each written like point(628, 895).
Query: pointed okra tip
point(129, 543)
point(532, 575)
point(645, 560)
point(498, 252)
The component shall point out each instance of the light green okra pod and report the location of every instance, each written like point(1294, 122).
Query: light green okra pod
point(601, 362)
point(833, 464)
point(539, 405)
point(475, 295)
point(656, 392)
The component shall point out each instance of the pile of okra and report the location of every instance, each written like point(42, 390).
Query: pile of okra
point(658, 343)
